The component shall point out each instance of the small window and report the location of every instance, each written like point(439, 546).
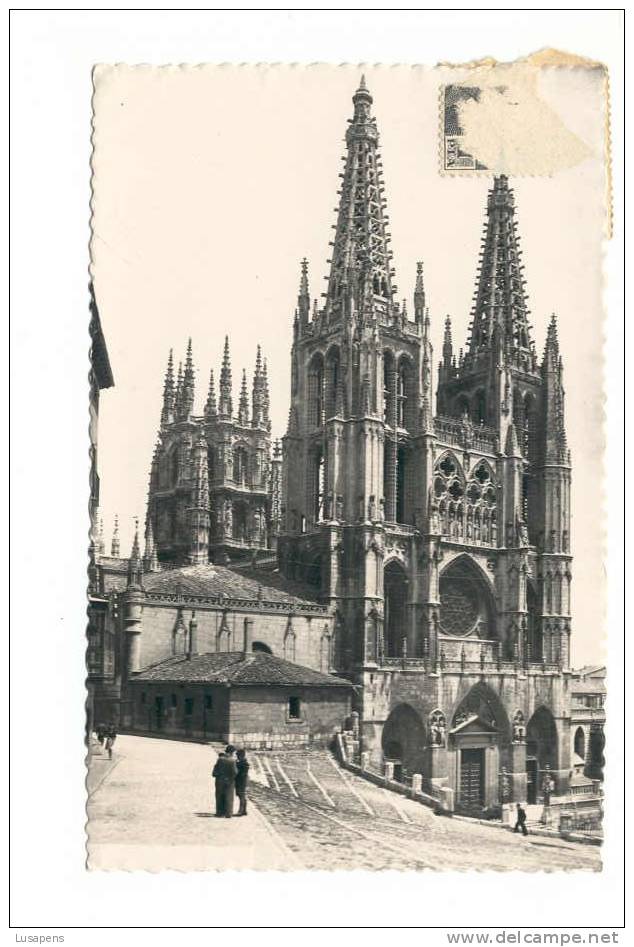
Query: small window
point(189, 706)
point(294, 708)
point(142, 697)
point(174, 700)
point(208, 702)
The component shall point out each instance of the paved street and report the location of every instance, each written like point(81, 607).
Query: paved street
point(151, 808)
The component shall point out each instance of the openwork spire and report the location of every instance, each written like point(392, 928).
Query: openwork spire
point(303, 297)
point(243, 407)
point(360, 273)
point(500, 312)
point(211, 408)
point(258, 394)
point(226, 401)
point(556, 449)
point(167, 412)
point(135, 566)
point(419, 294)
point(178, 395)
point(187, 394)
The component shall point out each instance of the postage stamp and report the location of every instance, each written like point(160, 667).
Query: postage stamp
point(334, 527)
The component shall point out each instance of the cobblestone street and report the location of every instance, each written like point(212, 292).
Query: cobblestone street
point(151, 808)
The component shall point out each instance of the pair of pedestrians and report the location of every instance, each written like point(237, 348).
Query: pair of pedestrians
point(231, 775)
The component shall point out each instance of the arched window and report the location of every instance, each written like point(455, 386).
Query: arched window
point(333, 379)
point(240, 465)
point(389, 388)
point(534, 632)
point(318, 484)
point(580, 743)
point(531, 447)
point(240, 522)
point(401, 394)
point(174, 466)
point(211, 463)
point(395, 608)
point(260, 648)
point(401, 463)
point(316, 392)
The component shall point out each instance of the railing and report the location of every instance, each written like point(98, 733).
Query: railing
point(225, 602)
point(460, 433)
point(442, 663)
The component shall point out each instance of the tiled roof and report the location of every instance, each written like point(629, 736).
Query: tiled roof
point(236, 668)
point(215, 581)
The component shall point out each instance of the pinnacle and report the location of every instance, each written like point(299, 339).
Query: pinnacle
point(136, 552)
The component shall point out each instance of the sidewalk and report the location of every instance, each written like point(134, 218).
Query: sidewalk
point(152, 810)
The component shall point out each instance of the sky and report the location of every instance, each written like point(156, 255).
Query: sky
point(210, 184)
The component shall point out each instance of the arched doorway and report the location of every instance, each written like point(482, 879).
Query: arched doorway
point(479, 727)
point(403, 741)
point(580, 743)
point(395, 620)
point(541, 750)
point(466, 603)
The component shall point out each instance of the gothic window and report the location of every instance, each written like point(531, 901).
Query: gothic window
point(316, 392)
point(531, 447)
point(289, 644)
point(389, 393)
point(240, 465)
point(400, 485)
point(395, 595)
point(466, 606)
point(318, 475)
point(333, 371)
point(211, 463)
point(580, 743)
point(240, 522)
point(325, 656)
point(174, 466)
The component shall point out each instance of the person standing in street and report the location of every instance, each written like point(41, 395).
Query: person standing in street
point(224, 773)
point(520, 824)
point(242, 779)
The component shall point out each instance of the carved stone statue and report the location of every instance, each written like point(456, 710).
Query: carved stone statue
point(372, 509)
point(519, 730)
point(437, 728)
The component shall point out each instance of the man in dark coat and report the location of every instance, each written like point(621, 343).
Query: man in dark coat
point(224, 772)
point(242, 780)
point(521, 820)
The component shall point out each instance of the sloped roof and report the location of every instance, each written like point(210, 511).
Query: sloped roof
point(236, 668)
point(216, 581)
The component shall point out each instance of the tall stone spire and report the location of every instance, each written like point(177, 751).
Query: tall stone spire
point(360, 273)
point(257, 392)
point(500, 311)
point(303, 298)
point(178, 394)
point(135, 566)
point(100, 547)
point(243, 406)
point(150, 557)
point(211, 408)
point(266, 400)
point(226, 401)
point(419, 295)
point(447, 345)
point(187, 394)
point(115, 547)
point(556, 446)
point(167, 413)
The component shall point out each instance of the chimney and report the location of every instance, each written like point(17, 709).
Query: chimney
point(193, 637)
point(248, 635)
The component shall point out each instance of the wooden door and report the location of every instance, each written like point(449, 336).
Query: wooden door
point(472, 778)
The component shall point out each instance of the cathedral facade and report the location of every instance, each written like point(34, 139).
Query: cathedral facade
point(440, 540)
point(422, 551)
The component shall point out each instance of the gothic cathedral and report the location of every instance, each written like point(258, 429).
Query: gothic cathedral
point(441, 540)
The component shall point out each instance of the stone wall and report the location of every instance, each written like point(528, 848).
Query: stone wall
point(300, 638)
point(247, 716)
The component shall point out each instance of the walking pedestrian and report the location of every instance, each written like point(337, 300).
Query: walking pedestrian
point(224, 773)
point(109, 744)
point(520, 824)
point(242, 779)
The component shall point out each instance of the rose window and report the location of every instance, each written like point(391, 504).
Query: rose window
point(464, 603)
